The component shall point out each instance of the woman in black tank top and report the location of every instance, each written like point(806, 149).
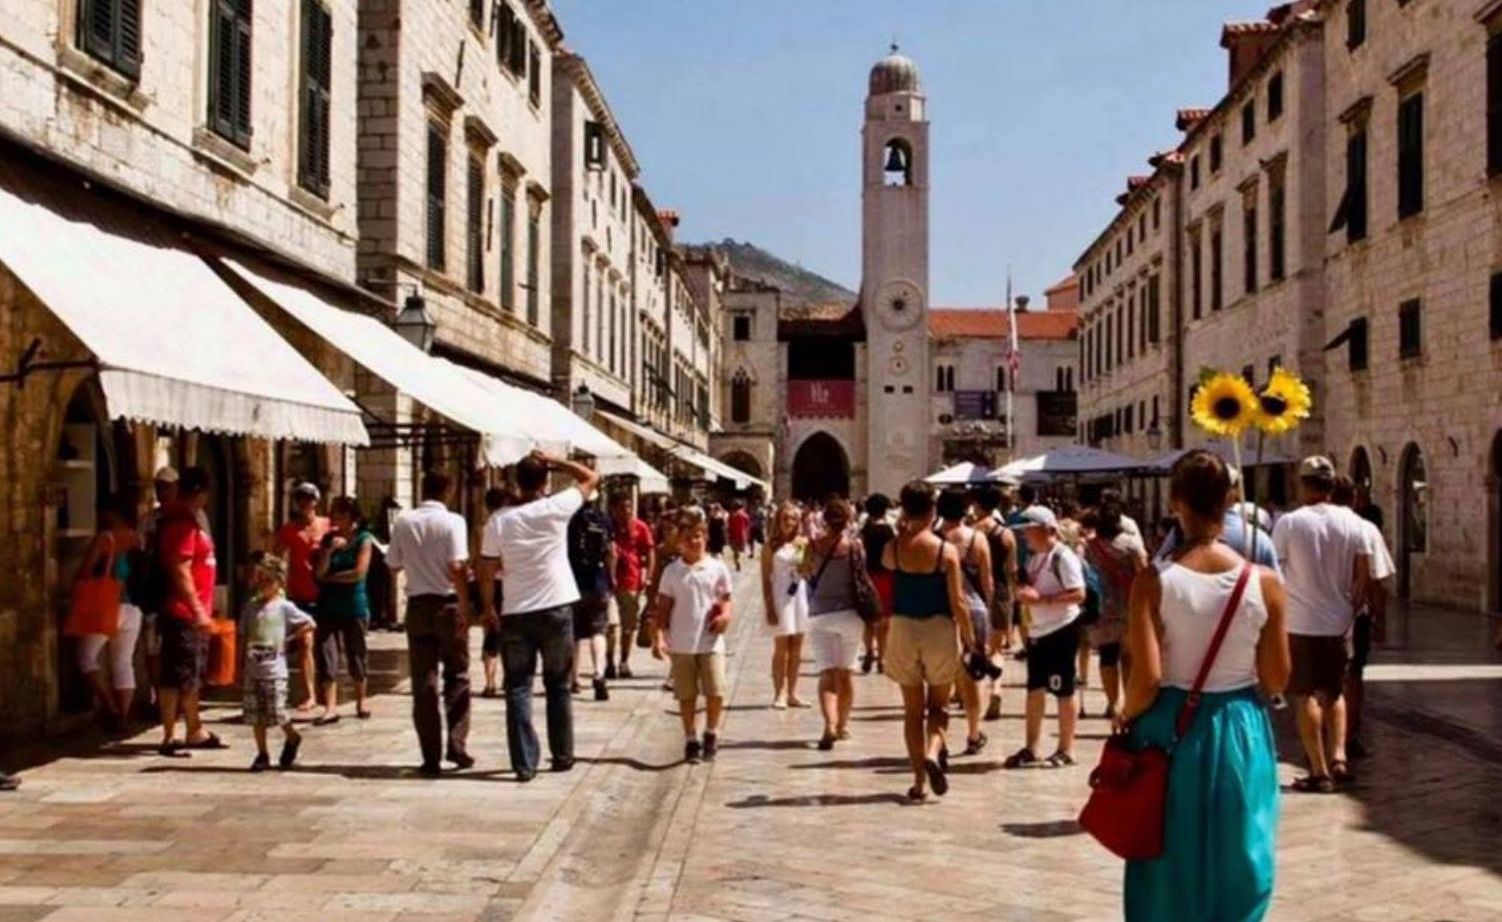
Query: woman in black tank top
point(875, 535)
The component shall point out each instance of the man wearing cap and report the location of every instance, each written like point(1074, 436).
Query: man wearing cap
point(184, 552)
point(1326, 561)
point(296, 541)
point(1055, 588)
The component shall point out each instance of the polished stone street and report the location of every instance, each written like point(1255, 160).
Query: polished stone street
point(774, 830)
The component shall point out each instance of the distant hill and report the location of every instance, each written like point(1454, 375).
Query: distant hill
point(797, 283)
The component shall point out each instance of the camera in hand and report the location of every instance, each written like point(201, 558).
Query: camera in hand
point(979, 666)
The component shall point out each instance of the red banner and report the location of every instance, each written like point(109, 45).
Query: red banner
point(821, 399)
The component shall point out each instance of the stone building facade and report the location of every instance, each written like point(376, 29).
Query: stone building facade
point(1338, 219)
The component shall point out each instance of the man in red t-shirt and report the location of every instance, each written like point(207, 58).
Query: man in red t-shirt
point(185, 555)
point(635, 559)
point(299, 538)
point(739, 530)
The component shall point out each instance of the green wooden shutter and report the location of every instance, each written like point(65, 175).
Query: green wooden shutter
point(230, 70)
point(474, 226)
point(508, 248)
point(534, 242)
point(315, 114)
point(243, 71)
point(437, 173)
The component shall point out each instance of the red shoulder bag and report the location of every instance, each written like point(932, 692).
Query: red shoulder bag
point(1129, 788)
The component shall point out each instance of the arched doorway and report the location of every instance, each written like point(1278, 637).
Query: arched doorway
point(1413, 514)
point(820, 469)
point(743, 461)
point(217, 455)
point(1361, 469)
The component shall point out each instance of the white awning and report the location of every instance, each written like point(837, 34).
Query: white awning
point(508, 431)
point(563, 425)
point(175, 345)
point(645, 433)
point(687, 454)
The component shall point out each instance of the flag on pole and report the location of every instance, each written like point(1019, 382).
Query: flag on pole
point(1014, 363)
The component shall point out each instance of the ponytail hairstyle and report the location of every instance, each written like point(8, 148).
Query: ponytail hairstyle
point(1201, 483)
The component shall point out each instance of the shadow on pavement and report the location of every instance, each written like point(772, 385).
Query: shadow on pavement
point(637, 764)
point(769, 745)
point(1055, 829)
point(872, 762)
point(818, 800)
point(353, 772)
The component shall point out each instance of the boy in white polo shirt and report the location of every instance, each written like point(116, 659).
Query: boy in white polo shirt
point(693, 613)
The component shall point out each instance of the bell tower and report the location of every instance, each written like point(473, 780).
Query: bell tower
point(894, 274)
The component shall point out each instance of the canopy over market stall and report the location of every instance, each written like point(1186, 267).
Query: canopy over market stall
point(1068, 461)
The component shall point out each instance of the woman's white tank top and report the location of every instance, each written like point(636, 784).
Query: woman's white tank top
point(1192, 605)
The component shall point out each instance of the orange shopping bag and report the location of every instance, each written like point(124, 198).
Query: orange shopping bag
point(95, 607)
point(223, 656)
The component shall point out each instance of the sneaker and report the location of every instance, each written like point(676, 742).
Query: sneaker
point(462, 760)
point(610, 671)
point(563, 765)
point(289, 750)
point(868, 662)
point(602, 693)
point(693, 752)
point(826, 742)
point(262, 762)
point(973, 747)
point(624, 671)
point(711, 745)
point(430, 770)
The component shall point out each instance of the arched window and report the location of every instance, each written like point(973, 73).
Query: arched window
point(897, 163)
point(740, 397)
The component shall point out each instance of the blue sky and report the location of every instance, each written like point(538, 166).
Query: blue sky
point(746, 117)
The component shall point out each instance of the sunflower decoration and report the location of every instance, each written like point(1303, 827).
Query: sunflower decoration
point(1225, 405)
point(1283, 403)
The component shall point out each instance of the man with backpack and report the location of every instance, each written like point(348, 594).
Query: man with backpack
point(591, 556)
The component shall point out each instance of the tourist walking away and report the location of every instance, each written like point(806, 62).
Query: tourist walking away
point(1249, 539)
point(268, 623)
point(930, 626)
point(1117, 556)
point(102, 595)
point(528, 543)
point(635, 563)
point(1026, 498)
point(431, 545)
point(1054, 594)
point(876, 532)
point(296, 541)
point(832, 569)
point(1326, 562)
point(591, 556)
point(1003, 545)
point(1371, 616)
point(719, 530)
point(342, 565)
point(693, 613)
point(738, 529)
point(1206, 705)
point(785, 602)
point(496, 499)
point(979, 588)
point(185, 555)
point(758, 526)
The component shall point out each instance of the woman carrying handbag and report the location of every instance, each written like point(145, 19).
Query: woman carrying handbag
point(102, 613)
point(1208, 647)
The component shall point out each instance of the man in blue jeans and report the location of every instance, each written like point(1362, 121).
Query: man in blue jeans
point(527, 545)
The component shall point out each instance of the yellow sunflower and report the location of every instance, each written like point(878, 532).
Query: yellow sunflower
point(1224, 405)
point(1283, 403)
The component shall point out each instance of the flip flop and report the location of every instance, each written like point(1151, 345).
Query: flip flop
point(1340, 772)
point(323, 720)
point(212, 741)
point(173, 750)
point(916, 794)
point(1314, 784)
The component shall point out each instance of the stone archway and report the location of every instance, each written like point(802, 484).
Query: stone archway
point(820, 469)
point(743, 461)
point(1413, 514)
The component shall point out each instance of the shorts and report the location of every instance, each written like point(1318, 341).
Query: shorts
point(1051, 661)
point(885, 584)
point(922, 651)
point(490, 643)
point(1319, 665)
point(628, 611)
point(1361, 646)
point(837, 638)
point(1110, 655)
point(266, 702)
point(980, 622)
point(1001, 615)
point(694, 674)
point(336, 634)
point(185, 652)
point(122, 649)
point(591, 615)
point(151, 638)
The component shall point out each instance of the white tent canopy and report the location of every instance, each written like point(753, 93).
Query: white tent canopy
point(966, 472)
point(1163, 464)
point(1070, 460)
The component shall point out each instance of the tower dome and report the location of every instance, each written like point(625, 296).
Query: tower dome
point(895, 73)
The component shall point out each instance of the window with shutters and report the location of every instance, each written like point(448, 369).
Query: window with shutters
point(474, 225)
point(1154, 309)
point(1355, 24)
point(534, 259)
point(508, 245)
point(740, 397)
point(741, 325)
point(1157, 213)
point(1249, 121)
point(230, 70)
point(110, 31)
point(1351, 212)
point(1249, 243)
point(1495, 303)
point(1131, 326)
point(477, 13)
point(1410, 331)
point(510, 40)
point(534, 74)
point(1194, 172)
point(1411, 155)
point(1120, 339)
point(1216, 151)
point(1196, 275)
point(1275, 97)
point(1356, 345)
point(1216, 277)
point(1277, 228)
point(594, 146)
point(314, 114)
point(437, 189)
point(1494, 105)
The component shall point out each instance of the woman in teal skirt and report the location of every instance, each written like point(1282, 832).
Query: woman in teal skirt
point(1222, 812)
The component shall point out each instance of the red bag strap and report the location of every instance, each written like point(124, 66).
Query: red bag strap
point(1192, 703)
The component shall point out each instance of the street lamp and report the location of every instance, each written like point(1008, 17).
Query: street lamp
point(584, 403)
point(415, 324)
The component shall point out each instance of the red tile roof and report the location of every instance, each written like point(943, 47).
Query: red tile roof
point(1258, 27)
point(1185, 119)
point(991, 322)
point(1136, 182)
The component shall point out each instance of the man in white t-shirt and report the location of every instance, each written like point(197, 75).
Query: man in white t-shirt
point(1054, 589)
point(431, 545)
point(1371, 614)
point(1325, 558)
point(527, 544)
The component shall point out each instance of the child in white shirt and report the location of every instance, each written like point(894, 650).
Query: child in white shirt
point(693, 613)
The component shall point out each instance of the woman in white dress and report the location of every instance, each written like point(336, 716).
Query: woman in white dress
point(786, 601)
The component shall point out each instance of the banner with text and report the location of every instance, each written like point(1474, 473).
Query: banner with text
point(821, 399)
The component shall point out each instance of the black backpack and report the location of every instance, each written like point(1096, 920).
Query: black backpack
point(589, 537)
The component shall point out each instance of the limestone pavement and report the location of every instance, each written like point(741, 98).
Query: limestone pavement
point(774, 830)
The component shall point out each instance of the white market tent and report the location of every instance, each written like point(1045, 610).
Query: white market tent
point(966, 472)
point(1068, 461)
point(1163, 464)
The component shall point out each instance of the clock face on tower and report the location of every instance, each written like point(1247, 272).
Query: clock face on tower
point(899, 305)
